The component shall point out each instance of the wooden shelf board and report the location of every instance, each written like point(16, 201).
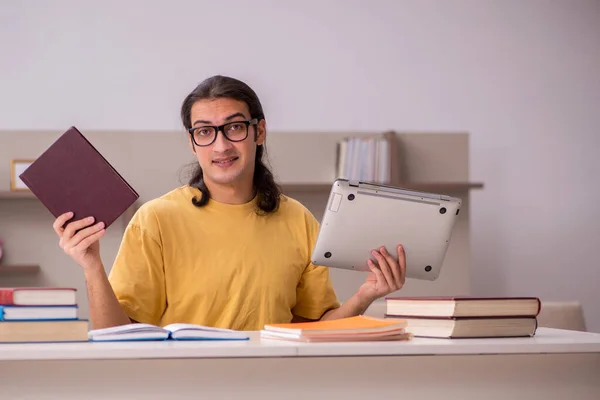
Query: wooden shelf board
point(16, 269)
point(20, 194)
point(425, 186)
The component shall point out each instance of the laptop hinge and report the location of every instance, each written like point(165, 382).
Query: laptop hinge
point(353, 183)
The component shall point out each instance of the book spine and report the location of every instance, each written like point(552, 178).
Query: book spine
point(451, 317)
point(6, 296)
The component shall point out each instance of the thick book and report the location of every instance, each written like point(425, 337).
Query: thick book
point(43, 331)
point(358, 328)
point(138, 331)
point(459, 328)
point(71, 175)
point(462, 306)
point(38, 296)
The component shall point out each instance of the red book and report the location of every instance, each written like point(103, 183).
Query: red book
point(38, 296)
point(71, 175)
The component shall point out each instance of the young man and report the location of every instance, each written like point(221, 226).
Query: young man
point(226, 250)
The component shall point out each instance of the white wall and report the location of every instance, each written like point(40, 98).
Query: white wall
point(521, 76)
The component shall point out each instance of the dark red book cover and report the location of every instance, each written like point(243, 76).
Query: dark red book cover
point(463, 298)
point(71, 175)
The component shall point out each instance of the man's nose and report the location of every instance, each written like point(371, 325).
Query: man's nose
point(221, 143)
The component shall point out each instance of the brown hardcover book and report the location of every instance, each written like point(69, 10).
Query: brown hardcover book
point(463, 306)
point(71, 175)
point(479, 327)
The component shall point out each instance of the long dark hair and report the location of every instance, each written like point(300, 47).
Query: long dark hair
point(267, 191)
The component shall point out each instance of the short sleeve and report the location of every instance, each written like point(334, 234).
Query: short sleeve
point(315, 294)
point(137, 276)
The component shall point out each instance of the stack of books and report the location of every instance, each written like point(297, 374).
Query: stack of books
point(352, 329)
point(40, 314)
point(466, 317)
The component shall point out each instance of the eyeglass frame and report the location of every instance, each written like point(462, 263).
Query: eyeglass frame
point(221, 128)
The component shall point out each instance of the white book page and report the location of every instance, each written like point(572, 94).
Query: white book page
point(130, 336)
point(129, 328)
point(179, 326)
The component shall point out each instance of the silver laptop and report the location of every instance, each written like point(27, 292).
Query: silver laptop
point(360, 217)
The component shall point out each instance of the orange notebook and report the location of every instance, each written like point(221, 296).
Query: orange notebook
point(358, 324)
point(344, 326)
point(344, 329)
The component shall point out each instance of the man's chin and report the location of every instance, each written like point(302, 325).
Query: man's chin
point(223, 179)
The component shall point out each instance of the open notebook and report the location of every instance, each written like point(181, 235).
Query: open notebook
point(170, 332)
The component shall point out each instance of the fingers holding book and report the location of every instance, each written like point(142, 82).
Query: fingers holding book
point(77, 235)
point(80, 238)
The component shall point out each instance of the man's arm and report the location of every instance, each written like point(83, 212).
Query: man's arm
point(353, 307)
point(105, 309)
point(80, 240)
point(387, 276)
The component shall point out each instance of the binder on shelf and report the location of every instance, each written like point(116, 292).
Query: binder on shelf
point(372, 158)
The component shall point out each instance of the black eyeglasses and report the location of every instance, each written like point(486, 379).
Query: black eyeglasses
point(235, 131)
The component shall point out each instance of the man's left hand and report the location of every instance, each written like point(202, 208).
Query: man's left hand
point(386, 275)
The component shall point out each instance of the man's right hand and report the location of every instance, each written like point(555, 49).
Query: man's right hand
point(82, 246)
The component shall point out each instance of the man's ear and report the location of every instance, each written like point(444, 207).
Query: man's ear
point(192, 147)
point(261, 132)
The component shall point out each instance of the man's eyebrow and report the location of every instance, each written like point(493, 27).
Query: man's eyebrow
point(230, 117)
point(237, 114)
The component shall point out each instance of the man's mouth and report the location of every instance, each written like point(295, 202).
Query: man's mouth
point(225, 161)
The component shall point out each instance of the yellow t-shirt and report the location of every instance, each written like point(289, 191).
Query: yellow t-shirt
point(220, 265)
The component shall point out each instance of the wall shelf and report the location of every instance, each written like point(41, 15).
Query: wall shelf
point(19, 269)
point(425, 186)
point(21, 194)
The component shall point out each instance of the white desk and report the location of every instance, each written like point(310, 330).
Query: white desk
point(555, 364)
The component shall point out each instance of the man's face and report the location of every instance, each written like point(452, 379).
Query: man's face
point(225, 162)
